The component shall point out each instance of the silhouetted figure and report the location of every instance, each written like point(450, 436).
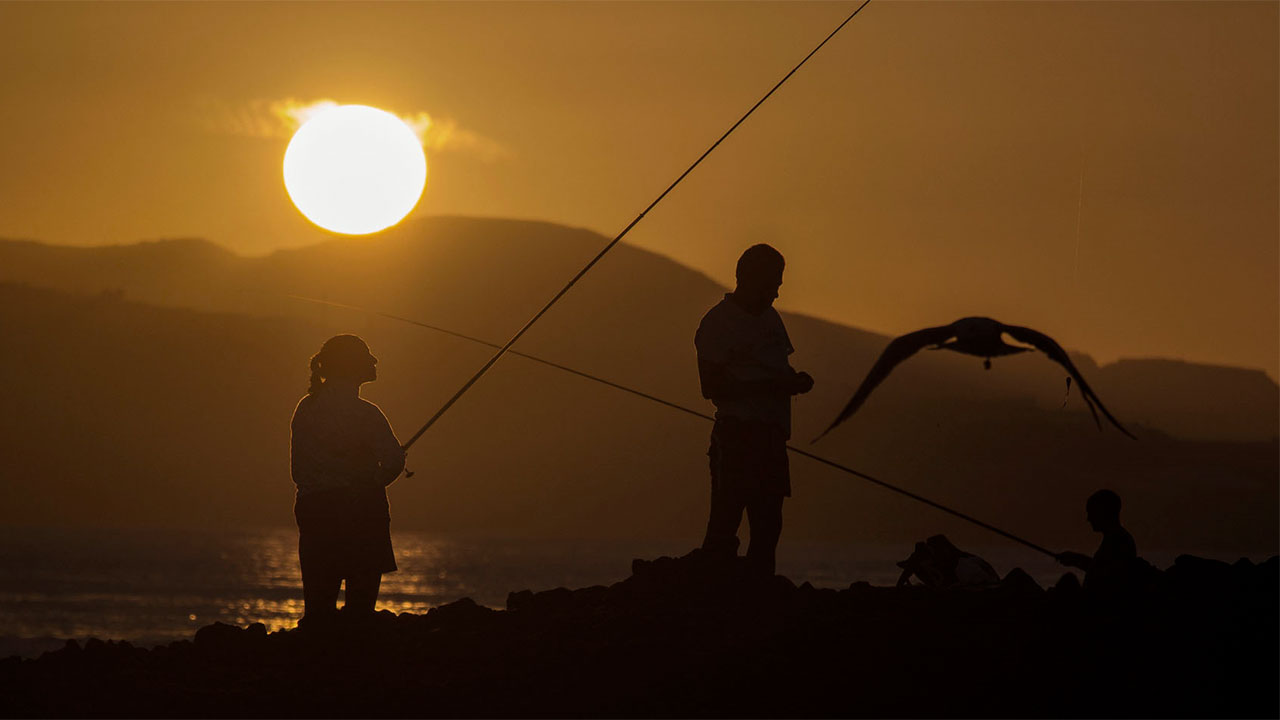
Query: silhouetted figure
point(1114, 563)
point(343, 454)
point(743, 368)
point(939, 563)
point(978, 336)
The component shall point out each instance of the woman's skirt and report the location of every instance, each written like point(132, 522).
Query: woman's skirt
point(344, 532)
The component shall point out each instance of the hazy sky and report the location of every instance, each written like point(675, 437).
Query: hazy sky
point(927, 164)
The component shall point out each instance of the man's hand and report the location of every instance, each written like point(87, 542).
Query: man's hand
point(801, 383)
point(1075, 560)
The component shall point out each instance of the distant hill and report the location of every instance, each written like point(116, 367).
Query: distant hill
point(486, 276)
point(129, 412)
point(1194, 401)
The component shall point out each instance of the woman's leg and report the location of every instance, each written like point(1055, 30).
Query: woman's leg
point(320, 582)
point(362, 592)
point(319, 594)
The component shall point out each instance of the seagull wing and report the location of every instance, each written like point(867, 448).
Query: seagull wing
point(898, 350)
point(1050, 347)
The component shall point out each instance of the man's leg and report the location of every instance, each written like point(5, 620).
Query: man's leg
point(764, 513)
point(726, 506)
point(722, 524)
point(362, 592)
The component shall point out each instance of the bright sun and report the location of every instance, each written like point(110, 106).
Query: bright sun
point(355, 169)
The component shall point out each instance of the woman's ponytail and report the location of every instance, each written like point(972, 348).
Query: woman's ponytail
point(316, 380)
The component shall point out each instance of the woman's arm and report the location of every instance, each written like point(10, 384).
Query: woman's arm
point(387, 449)
point(301, 449)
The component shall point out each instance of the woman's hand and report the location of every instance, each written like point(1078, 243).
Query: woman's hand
point(801, 383)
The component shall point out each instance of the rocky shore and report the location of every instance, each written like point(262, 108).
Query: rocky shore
point(682, 637)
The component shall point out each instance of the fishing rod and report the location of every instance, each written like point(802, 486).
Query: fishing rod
point(689, 411)
point(502, 350)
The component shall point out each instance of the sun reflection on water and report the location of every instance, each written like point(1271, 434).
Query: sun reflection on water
point(157, 586)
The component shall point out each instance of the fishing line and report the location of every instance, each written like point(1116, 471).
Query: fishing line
point(502, 350)
point(1075, 268)
point(689, 411)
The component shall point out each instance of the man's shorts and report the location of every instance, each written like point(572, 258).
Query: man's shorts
point(749, 459)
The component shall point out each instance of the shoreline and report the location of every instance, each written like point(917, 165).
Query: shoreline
point(682, 637)
point(53, 585)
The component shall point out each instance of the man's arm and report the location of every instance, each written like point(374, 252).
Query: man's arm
point(719, 384)
point(1075, 560)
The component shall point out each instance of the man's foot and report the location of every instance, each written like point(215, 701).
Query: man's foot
point(318, 622)
point(760, 567)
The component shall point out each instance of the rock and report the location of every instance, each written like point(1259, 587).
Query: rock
point(560, 598)
point(459, 612)
point(1198, 570)
point(639, 566)
point(782, 583)
point(1017, 581)
point(519, 600)
point(1067, 588)
point(10, 664)
point(227, 641)
point(1268, 573)
point(694, 636)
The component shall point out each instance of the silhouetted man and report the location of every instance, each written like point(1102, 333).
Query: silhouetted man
point(743, 367)
point(1112, 565)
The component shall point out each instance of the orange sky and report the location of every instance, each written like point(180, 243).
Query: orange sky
point(924, 166)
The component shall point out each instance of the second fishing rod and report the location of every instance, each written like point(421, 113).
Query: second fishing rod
point(676, 406)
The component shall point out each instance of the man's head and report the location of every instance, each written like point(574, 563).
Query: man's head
point(1103, 510)
point(759, 277)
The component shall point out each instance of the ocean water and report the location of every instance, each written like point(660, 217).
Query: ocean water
point(155, 586)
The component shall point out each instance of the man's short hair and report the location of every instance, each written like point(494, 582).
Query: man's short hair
point(758, 259)
point(1105, 502)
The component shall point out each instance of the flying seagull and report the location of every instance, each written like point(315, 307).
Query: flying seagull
point(978, 336)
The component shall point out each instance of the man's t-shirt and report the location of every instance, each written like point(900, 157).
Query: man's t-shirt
point(1113, 561)
point(751, 347)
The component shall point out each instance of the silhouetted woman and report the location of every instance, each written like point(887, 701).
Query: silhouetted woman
point(343, 454)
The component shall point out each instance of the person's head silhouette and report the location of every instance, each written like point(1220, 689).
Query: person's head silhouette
point(759, 276)
point(343, 361)
point(1103, 510)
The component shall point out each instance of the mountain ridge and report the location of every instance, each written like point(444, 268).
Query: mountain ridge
point(200, 274)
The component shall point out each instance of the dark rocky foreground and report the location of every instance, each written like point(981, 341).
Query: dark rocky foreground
point(681, 638)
